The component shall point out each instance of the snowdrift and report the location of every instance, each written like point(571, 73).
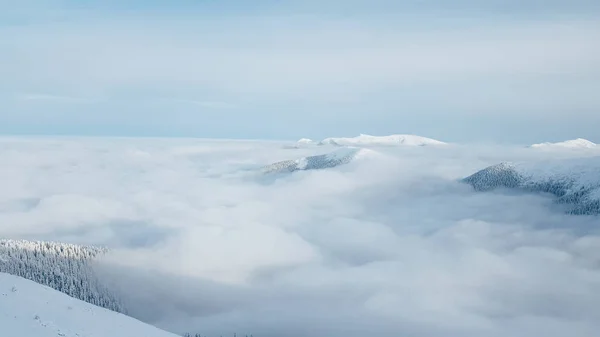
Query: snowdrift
point(28, 309)
point(392, 140)
point(578, 143)
point(336, 158)
point(573, 182)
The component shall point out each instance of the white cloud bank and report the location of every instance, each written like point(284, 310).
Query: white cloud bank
point(387, 246)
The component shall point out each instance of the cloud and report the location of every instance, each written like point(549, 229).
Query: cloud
point(389, 245)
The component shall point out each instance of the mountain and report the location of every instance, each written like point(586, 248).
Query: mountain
point(305, 141)
point(578, 143)
point(301, 143)
point(367, 140)
point(28, 309)
point(574, 182)
point(338, 157)
point(63, 267)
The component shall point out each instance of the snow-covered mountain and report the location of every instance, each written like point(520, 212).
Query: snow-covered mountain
point(301, 143)
point(338, 157)
point(64, 267)
point(367, 140)
point(305, 141)
point(573, 182)
point(29, 309)
point(578, 143)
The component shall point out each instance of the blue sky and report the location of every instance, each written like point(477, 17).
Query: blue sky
point(504, 71)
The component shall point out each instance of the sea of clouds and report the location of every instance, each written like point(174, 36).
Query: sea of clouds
point(390, 244)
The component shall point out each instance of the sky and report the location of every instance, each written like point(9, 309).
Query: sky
point(389, 244)
point(463, 71)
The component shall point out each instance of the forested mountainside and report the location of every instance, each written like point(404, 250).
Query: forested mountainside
point(64, 267)
point(574, 182)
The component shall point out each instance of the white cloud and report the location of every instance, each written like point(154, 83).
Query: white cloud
point(389, 245)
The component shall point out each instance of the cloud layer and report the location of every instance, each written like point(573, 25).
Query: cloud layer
point(390, 245)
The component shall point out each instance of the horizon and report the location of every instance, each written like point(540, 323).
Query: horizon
point(274, 140)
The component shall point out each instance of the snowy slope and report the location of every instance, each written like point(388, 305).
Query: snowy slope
point(367, 140)
point(339, 157)
point(28, 309)
point(64, 267)
point(578, 143)
point(574, 182)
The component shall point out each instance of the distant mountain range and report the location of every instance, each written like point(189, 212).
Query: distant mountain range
point(578, 143)
point(368, 140)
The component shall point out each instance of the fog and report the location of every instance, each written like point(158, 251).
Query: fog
point(391, 244)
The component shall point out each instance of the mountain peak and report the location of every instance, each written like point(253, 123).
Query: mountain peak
point(573, 143)
point(391, 140)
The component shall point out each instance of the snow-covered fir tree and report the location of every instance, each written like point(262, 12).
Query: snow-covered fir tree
point(64, 267)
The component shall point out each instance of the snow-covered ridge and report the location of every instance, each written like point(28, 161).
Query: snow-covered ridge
point(368, 140)
point(574, 182)
point(338, 157)
point(578, 143)
point(305, 141)
point(29, 309)
point(64, 267)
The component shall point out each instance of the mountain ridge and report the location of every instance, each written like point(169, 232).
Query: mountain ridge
point(573, 182)
point(580, 143)
point(369, 140)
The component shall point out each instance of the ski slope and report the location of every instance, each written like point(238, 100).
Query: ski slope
point(28, 309)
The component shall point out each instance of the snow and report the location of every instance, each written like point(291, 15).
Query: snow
point(338, 157)
point(64, 267)
point(578, 143)
point(28, 309)
point(368, 140)
point(306, 141)
point(575, 181)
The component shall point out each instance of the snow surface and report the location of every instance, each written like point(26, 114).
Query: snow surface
point(306, 141)
point(64, 267)
point(578, 143)
point(575, 182)
point(367, 140)
point(338, 157)
point(29, 309)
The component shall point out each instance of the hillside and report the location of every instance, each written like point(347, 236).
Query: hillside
point(574, 182)
point(64, 267)
point(318, 162)
point(28, 309)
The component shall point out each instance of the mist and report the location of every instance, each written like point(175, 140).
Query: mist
point(391, 244)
